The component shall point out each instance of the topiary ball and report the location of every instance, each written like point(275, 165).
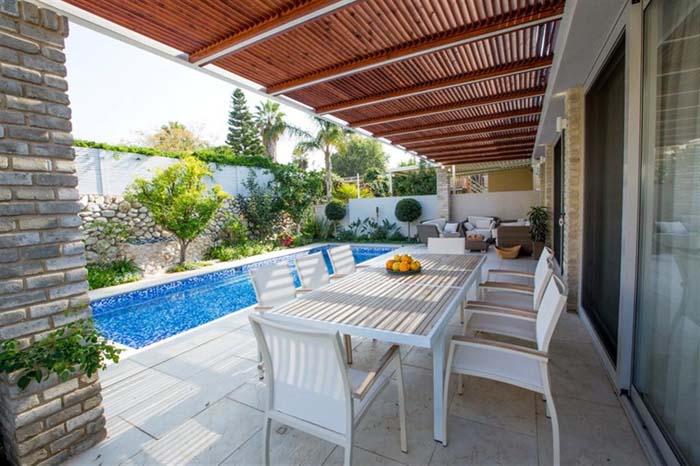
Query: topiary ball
point(335, 211)
point(408, 210)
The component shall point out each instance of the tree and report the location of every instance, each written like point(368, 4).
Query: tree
point(270, 122)
point(359, 155)
point(243, 136)
point(258, 209)
point(408, 210)
point(296, 191)
point(178, 200)
point(175, 137)
point(328, 137)
point(415, 182)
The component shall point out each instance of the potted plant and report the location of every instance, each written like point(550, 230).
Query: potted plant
point(538, 218)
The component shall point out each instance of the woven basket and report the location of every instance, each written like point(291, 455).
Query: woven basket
point(508, 253)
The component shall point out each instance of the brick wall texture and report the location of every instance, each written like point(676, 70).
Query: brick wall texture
point(573, 192)
point(42, 256)
point(443, 192)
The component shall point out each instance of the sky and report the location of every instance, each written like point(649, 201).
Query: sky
point(119, 91)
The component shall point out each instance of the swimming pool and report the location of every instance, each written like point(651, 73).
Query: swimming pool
point(142, 317)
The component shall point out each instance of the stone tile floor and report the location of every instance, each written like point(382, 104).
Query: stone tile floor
point(196, 399)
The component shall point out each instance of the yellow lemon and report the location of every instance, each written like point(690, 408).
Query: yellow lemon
point(389, 264)
point(415, 266)
point(395, 266)
point(397, 258)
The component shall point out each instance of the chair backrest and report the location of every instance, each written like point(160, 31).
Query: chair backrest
point(305, 373)
point(274, 284)
point(553, 303)
point(543, 271)
point(342, 259)
point(312, 270)
point(446, 246)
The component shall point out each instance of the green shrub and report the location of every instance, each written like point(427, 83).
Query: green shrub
point(76, 346)
point(234, 231)
point(239, 251)
point(318, 229)
point(408, 210)
point(258, 209)
point(190, 265)
point(112, 273)
point(335, 211)
point(220, 155)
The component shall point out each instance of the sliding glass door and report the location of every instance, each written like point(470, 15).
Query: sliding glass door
point(666, 371)
point(559, 216)
point(602, 225)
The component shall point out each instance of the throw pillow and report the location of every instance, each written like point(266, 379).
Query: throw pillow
point(483, 224)
point(451, 227)
point(469, 226)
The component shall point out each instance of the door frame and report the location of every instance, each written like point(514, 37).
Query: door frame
point(558, 200)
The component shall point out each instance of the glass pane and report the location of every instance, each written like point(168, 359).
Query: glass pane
point(667, 351)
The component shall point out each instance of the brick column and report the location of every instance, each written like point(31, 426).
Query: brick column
point(573, 192)
point(42, 256)
point(547, 179)
point(443, 191)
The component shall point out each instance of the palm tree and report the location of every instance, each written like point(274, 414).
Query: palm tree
point(270, 122)
point(329, 137)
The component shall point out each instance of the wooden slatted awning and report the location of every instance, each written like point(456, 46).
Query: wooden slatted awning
point(454, 81)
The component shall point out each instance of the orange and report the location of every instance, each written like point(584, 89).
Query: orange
point(404, 267)
point(395, 266)
point(389, 264)
point(406, 259)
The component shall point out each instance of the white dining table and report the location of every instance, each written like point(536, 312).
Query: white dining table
point(403, 309)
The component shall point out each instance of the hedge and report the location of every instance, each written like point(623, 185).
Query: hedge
point(220, 155)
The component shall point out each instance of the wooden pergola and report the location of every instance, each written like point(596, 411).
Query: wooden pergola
point(453, 81)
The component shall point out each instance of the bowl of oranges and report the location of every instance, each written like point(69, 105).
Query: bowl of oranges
point(403, 265)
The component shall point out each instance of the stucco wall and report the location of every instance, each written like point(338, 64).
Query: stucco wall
point(505, 205)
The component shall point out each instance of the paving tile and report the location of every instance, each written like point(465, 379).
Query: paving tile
point(128, 393)
point(206, 439)
point(471, 443)
point(207, 354)
point(288, 446)
point(122, 370)
point(252, 393)
point(164, 411)
point(497, 404)
point(123, 441)
point(591, 434)
point(576, 372)
point(570, 328)
point(378, 432)
point(159, 352)
point(360, 457)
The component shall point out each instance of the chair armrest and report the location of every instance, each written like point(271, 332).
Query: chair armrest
point(263, 308)
point(513, 273)
point(303, 290)
point(523, 315)
point(337, 276)
point(460, 340)
point(508, 287)
point(490, 305)
point(362, 266)
point(373, 375)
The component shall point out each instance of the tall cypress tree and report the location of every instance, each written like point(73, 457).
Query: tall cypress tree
point(243, 136)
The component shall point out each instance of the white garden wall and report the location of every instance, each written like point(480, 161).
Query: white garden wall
point(505, 205)
point(107, 172)
point(383, 208)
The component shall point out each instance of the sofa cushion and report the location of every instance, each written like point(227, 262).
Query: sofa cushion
point(482, 223)
point(451, 227)
point(438, 222)
point(468, 226)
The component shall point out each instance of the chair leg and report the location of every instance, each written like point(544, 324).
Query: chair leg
point(348, 348)
point(402, 404)
point(445, 398)
point(552, 414)
point(460, 384)
point(348, 453)
point(266, 441)
point(261, 368)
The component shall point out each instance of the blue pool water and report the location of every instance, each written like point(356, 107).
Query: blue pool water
point(142, 317)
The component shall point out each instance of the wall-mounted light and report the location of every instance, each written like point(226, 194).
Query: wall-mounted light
point(562, 124)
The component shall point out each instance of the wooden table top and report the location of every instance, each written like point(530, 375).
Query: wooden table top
point(372, 298)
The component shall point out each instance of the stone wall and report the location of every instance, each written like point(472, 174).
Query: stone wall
point(116, 228)
point(443, 192)
point(42, 257)
point(573, 192)
point(547, 175)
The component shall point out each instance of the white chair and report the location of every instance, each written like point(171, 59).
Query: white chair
point(342, 260)
point(547, 254)
point(313, 274)
point(274, 286)
point(446, 246)
point(513, 364)
point(543, 270)
point(311, 388)
point(312, 271)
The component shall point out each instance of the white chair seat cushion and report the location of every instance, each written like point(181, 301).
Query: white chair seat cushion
point(358, 376)
point(503, 325)
point(491, 363)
